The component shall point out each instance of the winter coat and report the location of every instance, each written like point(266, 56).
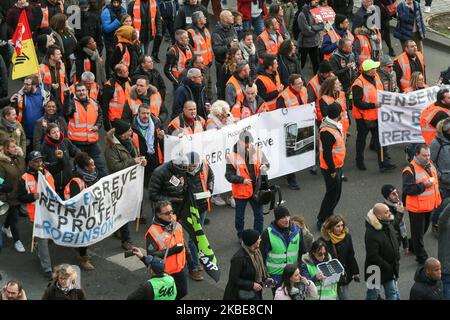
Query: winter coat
point(444, 238)
point(154, 77)
point(11, 170)
point(344, 7)
point(54, 293)
point(241, 277)
point(145, 34)
point(90, 26)
point(80, 55)
point(221, 39)
point(440, 156)
point(405, 21)
point(289, 8)
point(188, 90)
point(111, 22)
point(381, 248)
point(344, 252)
point(3, 79)
point(346, 76)
point(359, 19)
point(116, 155)
point(245, 7)
point(309, 259)
point(425, 288)
point(389, 80)
point(34, 15)
point(398, 219)
point(160, 187)
point(67, 42)
point(95, 6)
point(183, 20)
point(133, 50)
point(288, 65)
point(18, 135)
point(195, 183)
point(309, 31)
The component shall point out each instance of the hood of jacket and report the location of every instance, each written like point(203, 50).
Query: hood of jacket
point(373, 221)
point(421, 276)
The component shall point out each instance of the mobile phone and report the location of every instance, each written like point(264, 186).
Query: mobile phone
point(128, 254)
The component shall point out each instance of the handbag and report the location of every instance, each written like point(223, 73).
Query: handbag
point(265, 194)
point(391, 9)
point(247, 295)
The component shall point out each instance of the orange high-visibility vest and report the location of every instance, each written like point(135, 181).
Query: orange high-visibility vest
point(271, 46)
point(369, 96)
point(180, 124)
point(20, 101)
point(270, 88)
point(134, 105)
point(46, 76)
point(31, 186)
point(238, 88)
point(338, 151)
point(152, 6)
point(240, 190)
point(155, 104)
point(80, 124)
point(343, 103)
point(176, 262)
point(202, 45)
point(335, 37)
point(81, 184)
point(403, 62)
point(182, 58)
point(204, 181)
point(126, 57)
point(428, 200)
point(117, 103)
point(428, 131)
point(45, 17)
point(93, 92)
point(365, 52)
point(290, 98)
point(315, 85)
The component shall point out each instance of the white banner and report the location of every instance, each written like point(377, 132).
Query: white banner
point(286, 136)
point(93, 214)
point(399, 115)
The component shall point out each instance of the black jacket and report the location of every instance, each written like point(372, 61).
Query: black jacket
point(241, 277)
point(184, 15)
point(288, 65)
point(262, 91)
point(134, 51)
point(381, 248)
point(398, 217)
point(142, 144)
point(107, 95)
point(195, 183)
point(345, 74)
point(90, 26)
point(221, 39)
point(188, 90)
point(160, 187)
point(154, 77)
point(80, 55)
point(344, 7)
point(425, 288)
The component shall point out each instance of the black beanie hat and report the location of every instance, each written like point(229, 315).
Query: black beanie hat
point(387, 189)
point(280, 212)
point(325, 67)
point(334, 110)
point(249, 237)
point(120, 126)
point(339, 19)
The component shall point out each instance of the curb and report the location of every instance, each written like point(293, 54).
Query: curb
point(443, 35)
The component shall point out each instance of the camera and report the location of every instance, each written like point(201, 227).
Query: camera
point(128, 254)
point(298, 291)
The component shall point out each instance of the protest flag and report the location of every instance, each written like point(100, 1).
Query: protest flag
point(189, 218)
point(24, 58)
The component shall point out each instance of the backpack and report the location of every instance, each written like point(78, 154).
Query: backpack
point(167, 8)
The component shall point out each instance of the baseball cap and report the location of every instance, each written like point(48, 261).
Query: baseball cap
point(35, 155)
point(155, 263)
point(369, 65)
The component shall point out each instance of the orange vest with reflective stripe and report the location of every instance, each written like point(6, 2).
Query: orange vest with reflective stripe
point(428, 200)
point(182, 58)
point(338, 151)
point(134, 105)
point(46, 77)
point(428, 131)
point(240, 190)
point(182, 125)
point(238, 88)
point(202, 46)
point(137, 15)
point(335, 37)
point(290, 99)
point(365, 51)
point(117, 103)
point(204, 181)
point(80, 124)
point(315, 85)
point(369, 96)
point(271, 46)
point(31, 186)
point(270, 88)
point(155, 104)
point(45, 17)
point(343, 103)
point(81, 184)
point(176, 262)
point(93, 92)
point(126, 58)
point(403, 62)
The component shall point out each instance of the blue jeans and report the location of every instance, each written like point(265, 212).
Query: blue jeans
point(257, 23)
point(193, 261)
point(390, 291)
point(446, 284)
point(240, 215)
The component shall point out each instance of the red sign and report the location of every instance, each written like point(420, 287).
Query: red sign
point(323, 14)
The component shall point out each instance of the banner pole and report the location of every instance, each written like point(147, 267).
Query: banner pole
point(32, 244)
point(381, 154)
point(138, 220)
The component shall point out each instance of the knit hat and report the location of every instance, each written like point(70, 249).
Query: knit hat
point(246, 137)
point(83, 3)
point(120, 126)
point(250, 236)
point(126, 32)
point(280, 212)
point(386, 60)
point(334, 110)
point(387, 189)
point(155, 263)
point(339, 19)
point(325, 67)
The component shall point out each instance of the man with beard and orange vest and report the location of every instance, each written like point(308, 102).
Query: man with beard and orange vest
point(84, 122)
point(165, 235)
point(28, 195)
point(269, 41)
point(88, 79)
point(147, 21)
point(313, 87)
point(116, 93)
point(252, 104)
point(294, 95)
point(411, 60)
point(126, 51)
point(49, 8)
point(421, 188)
point(268, 82)
point(53, 74)
point(234, 90)
point(188, 122)
point(433, 114)
point(177, 56)
point(365, 105)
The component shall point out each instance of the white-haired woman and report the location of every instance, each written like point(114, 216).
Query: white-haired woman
point(218, 118)
point(64, 285)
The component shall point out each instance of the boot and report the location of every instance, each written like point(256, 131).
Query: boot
point(85, 263)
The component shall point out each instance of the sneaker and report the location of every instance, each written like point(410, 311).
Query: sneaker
point(196, 275)
point(207, 221)
point(156, 59)
point(19, 246)
point(387, 167)
point(7, 232)
point(293, 186)
point(361, 166)
point(344, 178)
point(313, 170)
point(127, 245)
point(218, 201)
point(231, 202)
point(427, 9)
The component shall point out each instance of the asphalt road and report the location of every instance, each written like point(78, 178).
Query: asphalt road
point(116, 277)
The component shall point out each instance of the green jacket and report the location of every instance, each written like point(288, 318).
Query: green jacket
point(116, 155)
point(18, 135)
point(11, 170)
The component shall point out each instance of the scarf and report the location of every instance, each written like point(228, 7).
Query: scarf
point(336, 239)
point(88, 177)
point(246, 51)
point(100, 73)
point(55, 143)
point(10, 126)
point(149, 129)
point(219, 124)
point(51, 117)
point(258, 263)
point(330, 123)
point(128, 144)
point(70, 287)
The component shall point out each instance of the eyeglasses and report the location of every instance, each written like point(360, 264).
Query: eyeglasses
point(168, 213)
